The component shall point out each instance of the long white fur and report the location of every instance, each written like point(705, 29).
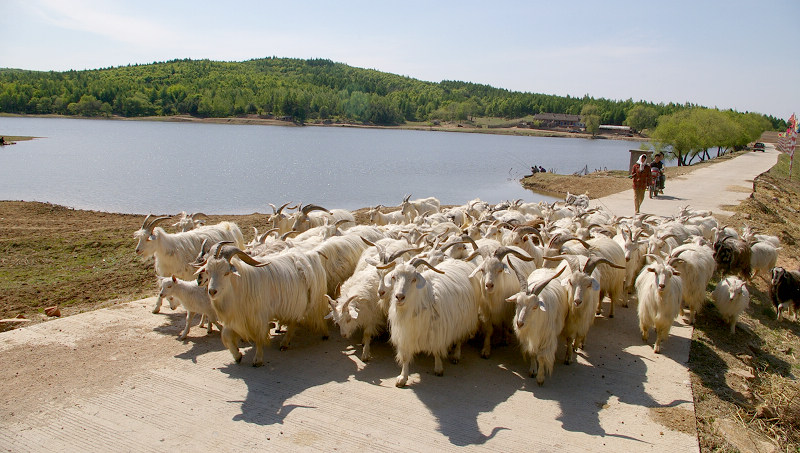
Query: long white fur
point(539, 322)
point(658, 307)
point(194, 299)
point(496, 283)
point(429, 312)
point(290, 289)
point(696, 265)
point(173, 253)
point(731, 298)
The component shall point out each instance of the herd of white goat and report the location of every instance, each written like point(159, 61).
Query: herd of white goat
point(434, 277)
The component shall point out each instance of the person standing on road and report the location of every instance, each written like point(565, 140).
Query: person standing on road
point(641, 178)
point(659, 163)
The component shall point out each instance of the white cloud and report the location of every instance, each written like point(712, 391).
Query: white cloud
point(96, 18)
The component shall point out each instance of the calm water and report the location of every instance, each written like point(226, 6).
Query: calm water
point(141, 167)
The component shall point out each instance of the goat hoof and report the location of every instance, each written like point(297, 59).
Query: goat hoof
point(238, 359)
point(325, 337)
point(455, 361)
point(484, 355)
point(284, 347)
point(610, 316)
point(257, 364)
point(439, 373)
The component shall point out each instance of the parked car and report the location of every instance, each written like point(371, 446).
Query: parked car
point(758, 147)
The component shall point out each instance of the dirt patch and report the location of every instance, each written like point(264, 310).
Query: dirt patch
point(675, 418)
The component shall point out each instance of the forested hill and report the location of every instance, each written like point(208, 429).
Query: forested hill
point(302, 89)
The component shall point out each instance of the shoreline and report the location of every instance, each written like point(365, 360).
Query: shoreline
point(255, 120)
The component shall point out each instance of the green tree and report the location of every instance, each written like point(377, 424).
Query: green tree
point(641, 117)
point(590, 116)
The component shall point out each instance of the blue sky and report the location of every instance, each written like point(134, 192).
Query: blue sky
point(726, 54)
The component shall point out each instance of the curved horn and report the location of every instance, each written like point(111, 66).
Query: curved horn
point(281, 208)
point(400, 253)
point(216, 249)
point(667, 236)
point(531, 230)
point(405, 200)
point(197, 214)
point(594, 261)
point(156, 221)
point(501, 253)
point(658, 258)
point(246, 258)
point(583, 243)
point(417, 261)
point(312, 207)
point(146, 219)
point(390, 265)
point(341, 222)
point(366, 241)
point(572, 260)
point(347, 303)
point(466, 237)
point(447, 246)
point(541, 285)
point(289, 234)
point(264, 236)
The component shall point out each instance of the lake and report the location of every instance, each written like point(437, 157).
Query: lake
point(166, 167)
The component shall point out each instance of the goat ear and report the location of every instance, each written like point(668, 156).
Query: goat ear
point(542, 306)
point(353, 311)
point(676, 272)
point(651, 269)
point(151, 237)
point(512, 299)
point(595, 285)
point(421, 282)
point(234, 271)
point(174, 280)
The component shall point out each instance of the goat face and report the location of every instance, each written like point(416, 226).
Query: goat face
point(167, 291)
point(663, 274)
point(777, 275)
point(583, 287)
point(405, 282)
point(147, 240)
point(526, 305)
point(218, 272)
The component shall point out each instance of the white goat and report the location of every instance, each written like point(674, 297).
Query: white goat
point(541, 311)
point(496, 284)
point(763, 257)
point(696, 265)
point(194, 299)
point(583, 288)
point(376, 217)
point(430, 311)
point(248, 296)
point(188, 222)
point(304, 219)
point(174, 253)
point(731, 298)
point(658, 288)
point(418, 207)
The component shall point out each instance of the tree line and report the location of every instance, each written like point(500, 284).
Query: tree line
point(314, 89)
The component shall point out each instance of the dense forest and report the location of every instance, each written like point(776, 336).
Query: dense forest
point(304, 90)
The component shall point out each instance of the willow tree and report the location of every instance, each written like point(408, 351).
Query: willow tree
point(590, 115)
point(690, 133)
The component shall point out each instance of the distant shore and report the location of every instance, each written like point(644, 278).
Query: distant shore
point(463, 127)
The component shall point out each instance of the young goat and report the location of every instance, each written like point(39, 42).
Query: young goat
point(194, 299)
point(731, 298)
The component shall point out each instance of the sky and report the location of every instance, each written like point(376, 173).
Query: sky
point(733, 54)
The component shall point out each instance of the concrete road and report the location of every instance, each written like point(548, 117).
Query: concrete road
point(118, 379)
point(714, 187)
